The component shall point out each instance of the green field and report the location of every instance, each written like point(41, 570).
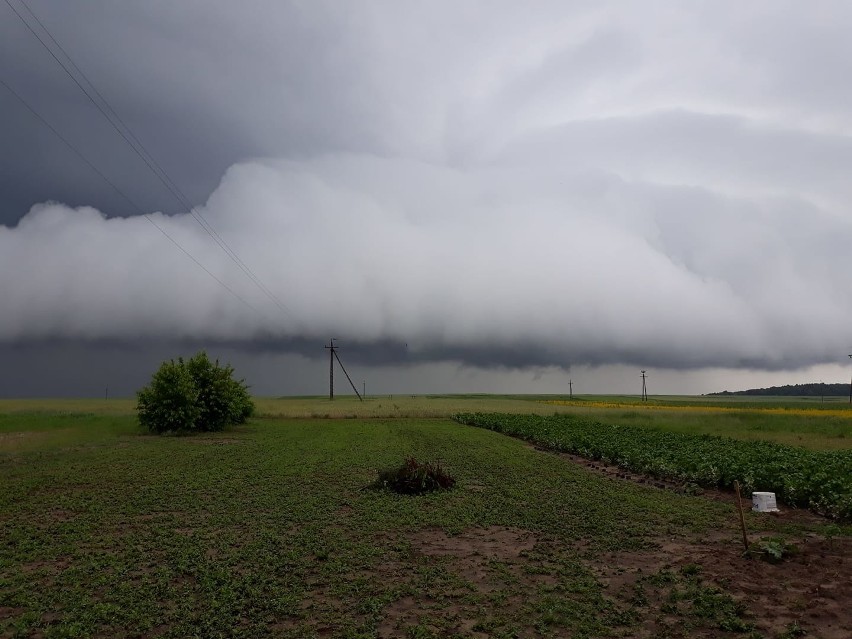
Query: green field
point(270, 530)
point(788, 420)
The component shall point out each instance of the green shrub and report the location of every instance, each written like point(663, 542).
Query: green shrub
point(195, 395)
point(414, 478)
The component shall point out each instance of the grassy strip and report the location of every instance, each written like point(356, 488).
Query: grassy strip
point(821, 481)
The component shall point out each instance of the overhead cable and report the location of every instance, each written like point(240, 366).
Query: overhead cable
point(103, 106)
point(123, 195)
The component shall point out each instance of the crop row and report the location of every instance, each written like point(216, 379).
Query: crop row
point(821, 481)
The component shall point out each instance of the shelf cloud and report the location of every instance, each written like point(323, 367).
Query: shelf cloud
point(488, 184)
point(491, 265)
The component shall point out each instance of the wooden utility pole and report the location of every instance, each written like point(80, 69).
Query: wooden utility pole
point(332, 355)
point(644, 388)
point(331, 348)
point(570, 389)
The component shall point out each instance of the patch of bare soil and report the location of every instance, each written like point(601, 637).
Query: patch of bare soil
point(807, 595)
point(812, 590)
point(496, 542)
point(489, 564)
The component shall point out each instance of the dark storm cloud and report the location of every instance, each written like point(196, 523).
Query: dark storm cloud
point(118, 368)
point(200, 87)
point(490, 266)
point(487, 184)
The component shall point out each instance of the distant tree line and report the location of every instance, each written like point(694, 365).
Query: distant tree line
point(805, 390)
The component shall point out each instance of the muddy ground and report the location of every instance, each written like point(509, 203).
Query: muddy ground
point(807, 594)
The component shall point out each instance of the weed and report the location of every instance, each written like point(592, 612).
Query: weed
point(686, 596)
point(690, 570)
point(831, 532)
point(692, 489)
point(793, 631)
point(416, 478)
point(771, 549)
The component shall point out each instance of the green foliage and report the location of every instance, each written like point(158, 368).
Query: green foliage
point(792, 631)
point(831, 532)
point(772, 549)
point(687, 596)
point(415, 478)
point(195, 395)
point(821, 481)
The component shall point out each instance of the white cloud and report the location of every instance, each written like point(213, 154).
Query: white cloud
point(450, 261)
point(654, 184)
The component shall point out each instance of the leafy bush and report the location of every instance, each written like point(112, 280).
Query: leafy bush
point(195, 395)
point(414, 478)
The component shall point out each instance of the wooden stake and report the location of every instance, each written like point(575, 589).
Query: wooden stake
point(742, 516)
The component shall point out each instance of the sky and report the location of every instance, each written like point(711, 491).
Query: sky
point(471, 196)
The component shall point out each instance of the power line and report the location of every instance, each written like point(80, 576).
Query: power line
point(126, 198)
point(103, 105)
point(127, 134)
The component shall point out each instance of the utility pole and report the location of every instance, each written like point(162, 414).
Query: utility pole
point(331, 348)
point(334, 356)
point(570, 389)
point(644, 388)
point(850, 387)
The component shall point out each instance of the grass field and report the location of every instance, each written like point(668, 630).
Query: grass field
point(792, 421)
point(269, 530)
point(788, 420)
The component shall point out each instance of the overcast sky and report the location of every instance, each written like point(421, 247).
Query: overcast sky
point(472, 196)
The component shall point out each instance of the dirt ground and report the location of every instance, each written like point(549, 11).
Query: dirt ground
point(808, 594)
point(811, 590)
